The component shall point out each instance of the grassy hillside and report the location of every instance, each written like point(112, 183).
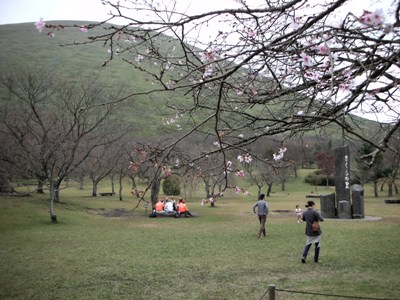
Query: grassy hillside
point(23, 46)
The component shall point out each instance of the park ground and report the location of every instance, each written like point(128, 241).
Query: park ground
point(102, 249)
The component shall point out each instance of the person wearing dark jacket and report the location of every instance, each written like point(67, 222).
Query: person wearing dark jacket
point(313, 237)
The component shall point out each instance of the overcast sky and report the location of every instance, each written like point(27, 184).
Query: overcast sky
point(21, 11)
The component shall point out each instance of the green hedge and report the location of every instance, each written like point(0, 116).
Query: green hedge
point(317, 178)
point(172, 185)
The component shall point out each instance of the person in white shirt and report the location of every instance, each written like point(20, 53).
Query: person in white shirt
point(169, 206)
point(298, 214)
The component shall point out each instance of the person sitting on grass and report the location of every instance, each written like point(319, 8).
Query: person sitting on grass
point(159, 206)
point(169, 206)
point(183, 209)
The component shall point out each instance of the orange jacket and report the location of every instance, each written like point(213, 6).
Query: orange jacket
point(159, 206)
point(182, 207)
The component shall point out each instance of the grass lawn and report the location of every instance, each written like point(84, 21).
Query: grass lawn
point(97, 252)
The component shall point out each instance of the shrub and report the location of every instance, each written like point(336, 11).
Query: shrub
point(317, 178)
point(172, 185)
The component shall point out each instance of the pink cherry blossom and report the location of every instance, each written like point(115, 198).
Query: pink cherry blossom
point(208, 56)
point(208, 72)
point(251, 33)
point(313, 75)
point(280, 154)
point(306, 59)
point(295, 23)
point(248, 158)
point(40, 25)
point(346, 86)
point(139, 58)
point(237, 189)
point(229, 165)
point(277, 156)
point(240, 173)
point(167, 172)
point(323, 49)
point(374, 19)
point(84, 28)
point(245, 158)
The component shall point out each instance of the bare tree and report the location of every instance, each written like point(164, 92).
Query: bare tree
point(255, 171)
point(54, 124)
point(326, 162)
point(391, 162)
point(102, 163)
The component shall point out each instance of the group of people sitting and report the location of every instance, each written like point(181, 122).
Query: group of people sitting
point(170, 206)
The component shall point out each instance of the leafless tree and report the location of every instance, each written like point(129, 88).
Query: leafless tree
point(54, 124)
point(101, 163)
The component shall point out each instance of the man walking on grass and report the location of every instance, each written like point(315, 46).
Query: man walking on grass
point(262, 212)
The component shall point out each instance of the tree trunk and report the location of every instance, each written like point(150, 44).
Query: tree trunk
point(390, 188)
point(54, 197)
point(133, 181)
point(155, 189)
point(120, 176)
point(94, 188)
point(56, 192)
point(39, 189)
point(269, 189)
point(259, 191)
point(213, 188)
point(81, 182)
point(207, 187)
point(5, 185)
point(112, 184)
point(376, 189)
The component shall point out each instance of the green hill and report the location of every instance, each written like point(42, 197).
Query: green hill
point(23, 46)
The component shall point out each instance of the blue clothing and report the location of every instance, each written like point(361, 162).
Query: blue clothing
point(262, 207)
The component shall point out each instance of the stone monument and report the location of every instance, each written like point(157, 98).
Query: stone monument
point(328, 206)
point(357, 199)
point(342, 181)
point(348, 201)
